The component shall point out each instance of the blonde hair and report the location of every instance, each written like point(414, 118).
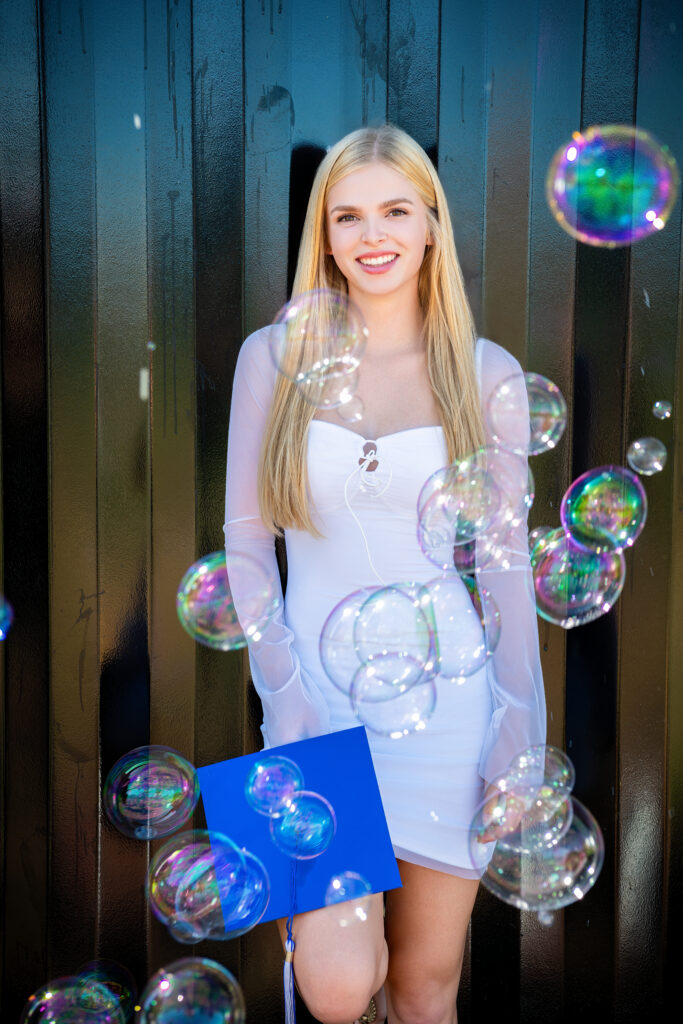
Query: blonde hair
point(448, 331)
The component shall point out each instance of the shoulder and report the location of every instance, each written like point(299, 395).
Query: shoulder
point(494, 364)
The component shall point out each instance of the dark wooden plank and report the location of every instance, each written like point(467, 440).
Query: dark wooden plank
point(413, 66)
point(25, 511)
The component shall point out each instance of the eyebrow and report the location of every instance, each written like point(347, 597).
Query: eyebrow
point(383, 206)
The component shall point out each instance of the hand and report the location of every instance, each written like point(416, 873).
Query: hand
point(502, 814)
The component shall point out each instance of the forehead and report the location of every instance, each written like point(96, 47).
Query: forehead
point(372, 185)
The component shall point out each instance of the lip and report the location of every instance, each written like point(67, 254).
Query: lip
point(383, 267)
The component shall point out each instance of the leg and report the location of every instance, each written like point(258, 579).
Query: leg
point(426, 928)
point(337, 969)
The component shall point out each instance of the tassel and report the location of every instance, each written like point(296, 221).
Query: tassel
point(288, 974)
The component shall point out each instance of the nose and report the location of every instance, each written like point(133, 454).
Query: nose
point(374, 231)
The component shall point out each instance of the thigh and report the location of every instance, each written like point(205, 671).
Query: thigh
point(426, 930)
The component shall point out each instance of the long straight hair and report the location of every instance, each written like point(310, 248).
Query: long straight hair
point(448, 330)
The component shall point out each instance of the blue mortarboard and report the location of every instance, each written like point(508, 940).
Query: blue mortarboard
point(339, 767)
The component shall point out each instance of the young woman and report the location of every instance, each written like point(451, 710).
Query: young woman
point(378, 229)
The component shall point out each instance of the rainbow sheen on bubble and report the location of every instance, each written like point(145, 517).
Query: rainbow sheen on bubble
point(605, 509)
point(574, 586)
point(271, 784)
point(115, 977)
point(306, 827)
point(211, 614)
point(72, 1000)
point(317, 341)
point(552, 876)
point(220, 897)
point(6, 617)
point(349, 893)
point(467, 625)
point(526, 413)
point(196, 882)
point(336, 645)
point(192, 989)
point(612, 185)
point(662, 409)
point(150, 792)
point(646, 456)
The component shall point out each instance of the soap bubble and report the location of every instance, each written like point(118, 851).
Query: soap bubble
point(547, 765)
point(662, 409)
point(605, 509)
point(535, 535)
point(391, 632)
point(306, 828)
point(350, 893)
point(193, 989)
point(209, 612)
point(551, 877)
point(572, 585)
point(467, 625)
point(73, 1000)
point(271, 784)
point(217, 898)
point(526, 821)
point(317, 342)
point(612, 185)
point(509, 424)
point(117, 978)
point(351, 411)
point(461, 499)
point(150, 792)
point(6, 616)
point(393, 715)
point(185, 862)
point(647, 456)
point(336, 645)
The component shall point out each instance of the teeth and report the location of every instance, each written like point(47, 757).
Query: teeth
point(376, 261)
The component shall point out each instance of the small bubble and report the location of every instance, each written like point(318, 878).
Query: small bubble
point(151, 345)
point(137, 121)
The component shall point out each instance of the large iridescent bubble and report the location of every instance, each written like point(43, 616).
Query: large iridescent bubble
point(150, 792)
point(116, 977)
point(392, 634)
point(209, 904)
point(73, 1000)
point(183, 873)
point(6, 617)
point(383, 709)
point(209, 610)
point(605, 509)
point(193, 989)
point(510, 425)
point(573, 586)
point(647, 456)
point(336, 645)
point(612, 185)
point(271, 784)
point(550, 876)
point(317, 341)
point(467, 623)
point(306, 827)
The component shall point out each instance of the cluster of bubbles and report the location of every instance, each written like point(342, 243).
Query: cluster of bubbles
point(100, 992)
point(302, 826)
point(6, 616)
point(317, 341)
point(150, 792)
point(211, 612)
point(549, 849)
point(612, 185)
point(302, 823)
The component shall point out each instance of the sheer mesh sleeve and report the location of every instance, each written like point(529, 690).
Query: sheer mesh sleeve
point(293, 707)
point(519, 718)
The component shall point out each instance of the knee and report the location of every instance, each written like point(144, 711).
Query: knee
point(424, 1004)
point(337, 999)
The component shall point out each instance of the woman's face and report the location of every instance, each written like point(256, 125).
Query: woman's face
point(377, 230)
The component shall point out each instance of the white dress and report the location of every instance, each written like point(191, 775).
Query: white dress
point(431, 781)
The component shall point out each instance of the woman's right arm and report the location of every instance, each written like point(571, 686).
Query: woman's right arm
point(293, 707)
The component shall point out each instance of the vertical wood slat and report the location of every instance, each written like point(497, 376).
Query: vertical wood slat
point(74, 667)
point(413, 69)
point(26, 826)
point(642, 724)
point(122, 450)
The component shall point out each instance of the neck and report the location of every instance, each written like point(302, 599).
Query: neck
point(394, 323)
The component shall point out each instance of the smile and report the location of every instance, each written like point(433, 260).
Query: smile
point(382, 260)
